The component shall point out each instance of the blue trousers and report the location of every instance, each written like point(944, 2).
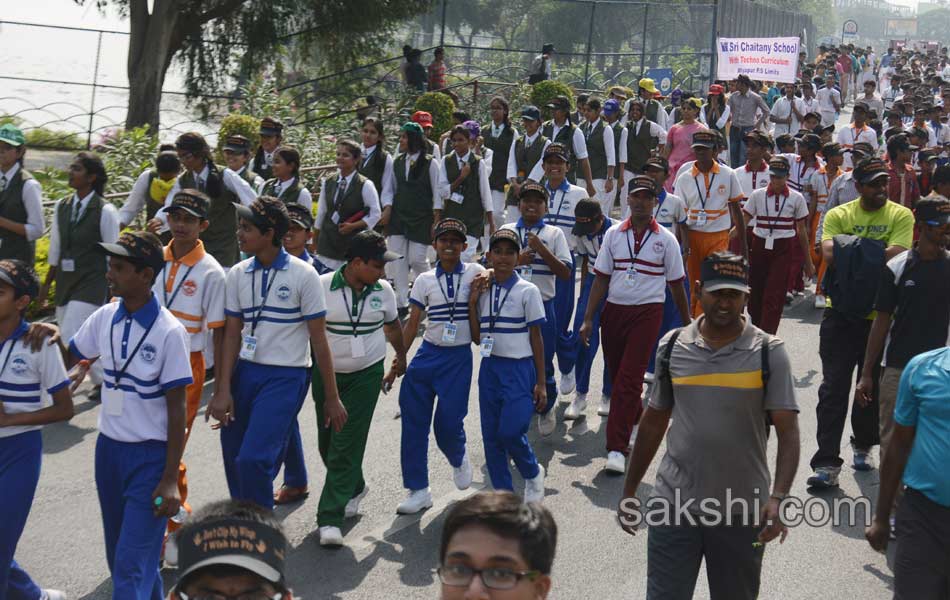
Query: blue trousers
point(446, 372)
point(549, 335)
point(505, 392)
point(566, 340)
point(126, 475)
point(671, 320)
point(20, 458)
point(586, 354)
point(295, 466)
point(266, 402)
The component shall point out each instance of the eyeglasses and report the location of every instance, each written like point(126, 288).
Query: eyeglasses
point(495, 578)
point(248, 596)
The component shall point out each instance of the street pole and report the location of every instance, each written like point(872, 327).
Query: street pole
point(590, 37)
point(643, 51)
point(92, 100)
point(442, 32)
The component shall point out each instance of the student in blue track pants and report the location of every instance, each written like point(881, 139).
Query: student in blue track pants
point(505, 314)
point(442, 367)
point(21, 418)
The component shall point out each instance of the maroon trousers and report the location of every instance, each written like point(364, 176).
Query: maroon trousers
point(628, 334)
point(768, 275)
point(796, 268)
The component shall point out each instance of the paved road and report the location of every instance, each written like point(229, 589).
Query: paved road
point(388, 554)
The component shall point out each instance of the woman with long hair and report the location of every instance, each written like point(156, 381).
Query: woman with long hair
point(716, 114)
point(376, 164)
point(498, 136)
point(678, 149)
point(286, 184)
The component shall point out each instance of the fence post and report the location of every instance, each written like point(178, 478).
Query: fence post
point(643, 51)
point(590, 37)
point(715, 33)
point(92, 101)
point(442, 32)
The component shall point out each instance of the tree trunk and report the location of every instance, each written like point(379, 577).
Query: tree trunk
point(152, 44)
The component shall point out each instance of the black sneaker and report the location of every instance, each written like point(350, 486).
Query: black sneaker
point(209, 374)
point(95, 395)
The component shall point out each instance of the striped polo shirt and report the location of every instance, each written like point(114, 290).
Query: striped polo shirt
point(561, 203)
point(719, 441)
point(274, 302)
point(25, 374)
point(444, 297)
point(505, 312)
point(351, 315)
point(555, 240)
point(711, 192)
point(589, 245)
point(144, 354)
point(776, 214)
point(655, 258)
point(192, 288)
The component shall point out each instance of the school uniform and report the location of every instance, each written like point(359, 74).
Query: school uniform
point(851, 135)
point(750, 180)
point(358, 343)
point(192, 289)
point(601, 153)
point(253, 179)
point(377, 165)
point(669, 209)
point(770, 252)
point(78, 225)
point(507, 377)
point(147, 192)
point(707, 197)
point(589, 246)
point(820, 185)
point(21, 201)
point(470, 201)
point(354, 198)
point(442, 367)
point(638, 141)
point(290, 192)
point(220, 238)
point(24, 375)
point(799, 177)
point(561, 203)
point(571, 137)
point(409, 233)
point(498, 139)
point(827, 98)
point(144, 355)
point(270, 379)
point(524, 163)
point(540, 274)
point(639, 272)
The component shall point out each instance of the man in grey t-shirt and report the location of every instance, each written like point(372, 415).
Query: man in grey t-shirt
point(713, 481)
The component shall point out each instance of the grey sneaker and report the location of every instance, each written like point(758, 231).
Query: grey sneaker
point(824, 477)
point(863, 460)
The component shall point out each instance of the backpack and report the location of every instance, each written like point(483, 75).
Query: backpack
point(852, 282)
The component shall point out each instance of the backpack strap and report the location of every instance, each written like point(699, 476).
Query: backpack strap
point(766, 373)
point(666, 380)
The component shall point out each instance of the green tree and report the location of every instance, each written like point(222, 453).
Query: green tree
point(215, 39)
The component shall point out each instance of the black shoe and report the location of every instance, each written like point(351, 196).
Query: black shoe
point(209, 374)
point(95, 395)
point(403, 313)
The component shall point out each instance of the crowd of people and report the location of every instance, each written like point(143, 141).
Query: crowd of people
point(692, 226)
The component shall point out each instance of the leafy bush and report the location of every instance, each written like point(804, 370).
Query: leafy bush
point(42, 267)
point(544, 91)
point(42, 137)
point(441, 108)
point(126, 153)
point(238, 124)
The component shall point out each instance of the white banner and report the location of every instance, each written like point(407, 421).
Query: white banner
point(762, 59)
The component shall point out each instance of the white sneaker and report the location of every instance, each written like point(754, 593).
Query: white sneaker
point(418, 500)
point(53, 595)
point(462, 474)
point(616, 462)
point(633, 436)
point(604, 408)
point(547, 423)
point(331, 536)
point(577, 408)
point(353, 506)
point(568, 383)
point(820, 301)
point(648, 377)
point(534, 488)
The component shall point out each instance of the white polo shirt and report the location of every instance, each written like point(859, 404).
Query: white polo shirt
point(851, 135)
point(505, 312)
point(561, 203)
point(655, 258)
point(25, 374)
point(669, 209)
point(355, 322)
point(776, 214)
point(800, 174)
point(820, 184)
point(752, 179)
point(589, 245)
point(273, 303)
point(538, 272)
point(144, 354)
point(192, 288)
point(444, 297)
point(712, 192)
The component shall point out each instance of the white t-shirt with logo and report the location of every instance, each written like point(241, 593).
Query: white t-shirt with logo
point(639, 269)
point(355, 324)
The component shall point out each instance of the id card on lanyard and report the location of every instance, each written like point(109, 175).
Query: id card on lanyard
point(249, 341)
point(112, 395)
point(770, 240)
point(527, 270)
point(450, 329)
point(701, 217)
point(357, 347)
point(495, 303)
point(635, 250)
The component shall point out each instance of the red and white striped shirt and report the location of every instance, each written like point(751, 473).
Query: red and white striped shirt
point(776, 214)
point(639, 267)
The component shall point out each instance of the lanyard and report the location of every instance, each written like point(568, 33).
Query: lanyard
point(6, 359)
point(369, 154)
point(455, 298)
point(351, 308)
point(659, 206)
point(702, 200)
point(265, 293)
point(778, 214)
point(121, 372)
point(493, 315)
point(636, 245)
point(168, 301)
point(560, 204)
point(523, 234)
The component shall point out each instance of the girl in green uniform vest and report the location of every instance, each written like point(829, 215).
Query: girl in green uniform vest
point(465, 190)
point(223, 186)
point(376, 164)
point(21, 199)
point(524, 160)
point(271, 136)
point(286, 184)
point(76, 264)
point(237, 155)
point(151, 188)
point(499, 135)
